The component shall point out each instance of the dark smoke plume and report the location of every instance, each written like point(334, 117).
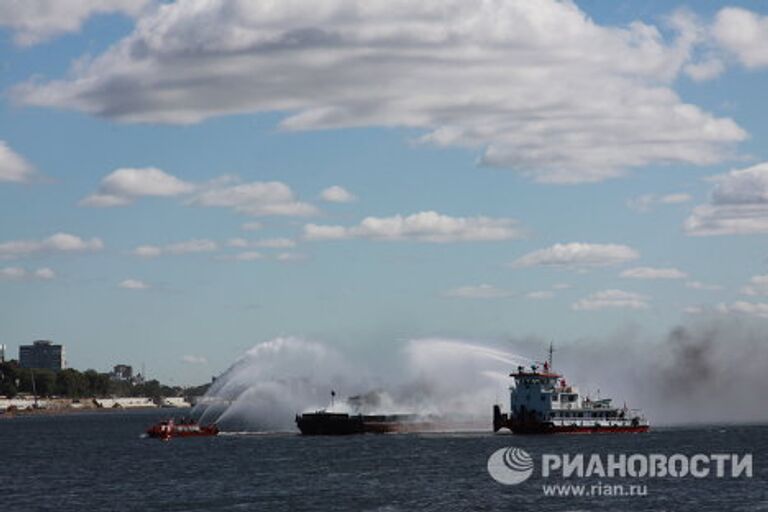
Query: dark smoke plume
point(711, 371)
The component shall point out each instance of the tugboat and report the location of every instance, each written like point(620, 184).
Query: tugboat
point(165, 430)
point(542, 402)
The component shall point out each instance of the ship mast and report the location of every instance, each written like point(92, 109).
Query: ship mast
point(551, 351)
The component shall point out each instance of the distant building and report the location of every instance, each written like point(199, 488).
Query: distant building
point(2, 353)
point(42, 354)
point(122, 372)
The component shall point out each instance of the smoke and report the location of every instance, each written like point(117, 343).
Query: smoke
point(713, 372)
point(704, 372)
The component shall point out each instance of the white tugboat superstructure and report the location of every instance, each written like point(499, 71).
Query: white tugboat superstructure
point(542, 402)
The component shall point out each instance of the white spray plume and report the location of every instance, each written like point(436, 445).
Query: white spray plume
point(276, 379)
point(448, 376)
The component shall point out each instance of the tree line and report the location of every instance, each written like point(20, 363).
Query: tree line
point(71, 383)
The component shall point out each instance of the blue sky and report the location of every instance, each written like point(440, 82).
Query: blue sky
point(579, 145)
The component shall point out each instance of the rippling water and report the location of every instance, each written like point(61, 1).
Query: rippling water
point(89, 462)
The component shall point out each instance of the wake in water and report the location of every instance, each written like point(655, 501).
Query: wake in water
point(274, 380)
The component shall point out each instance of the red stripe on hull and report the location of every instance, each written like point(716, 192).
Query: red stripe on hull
point(592, 430)
point(572, 429)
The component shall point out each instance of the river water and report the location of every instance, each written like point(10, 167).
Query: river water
point(99, 461)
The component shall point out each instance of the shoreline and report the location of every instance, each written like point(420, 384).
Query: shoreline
point(65, 411)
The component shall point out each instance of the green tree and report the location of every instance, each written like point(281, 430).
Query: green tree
point(150, 388)
point(45, 382)
point(98, 383)
point(24, 379)
point(119, 388)
point(9, 375)
point(71, 383)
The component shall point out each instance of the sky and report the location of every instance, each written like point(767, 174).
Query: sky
point(182, 180)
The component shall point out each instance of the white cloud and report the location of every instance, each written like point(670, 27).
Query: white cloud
point(13, 167)
point(693, 310)
point(265, 243)
point(738, 205)
point(45, 273)
point(423, 226)
point(611, 299)
point(646, 202)
point(60, 242)
point(319, 232)
point(35, 21)
point(744, 186)
point(134, 284)
point(337, 194)
point(758, 285)
point(698, 285)
point(255, 198)
point(482, 291)
point(275, 243)
point(18, 273)
point(104, 201)
point(286, 257)
point(251, 226)
point(147, 251)
point(187, 247)
point(240, 243)
point(13, 273)
point(540, 295)
point(561, 286)
point(123, 186)
point(709, 220)
point(705, 70)
point(743, 33)
point(758, 309)
point(537, 87)
point(675, 198)
point(243, 256)
point(653, 273)
point(192, 359)
point(577, 255)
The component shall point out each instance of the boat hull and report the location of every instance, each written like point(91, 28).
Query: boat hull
point(576, 429)
point(501, 421)
point(330, 424)
point(335, 424)
point(166, 432)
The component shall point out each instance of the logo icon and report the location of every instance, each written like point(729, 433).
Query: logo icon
point(510, 466)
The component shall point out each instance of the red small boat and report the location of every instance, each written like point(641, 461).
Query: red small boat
point(182, 428)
